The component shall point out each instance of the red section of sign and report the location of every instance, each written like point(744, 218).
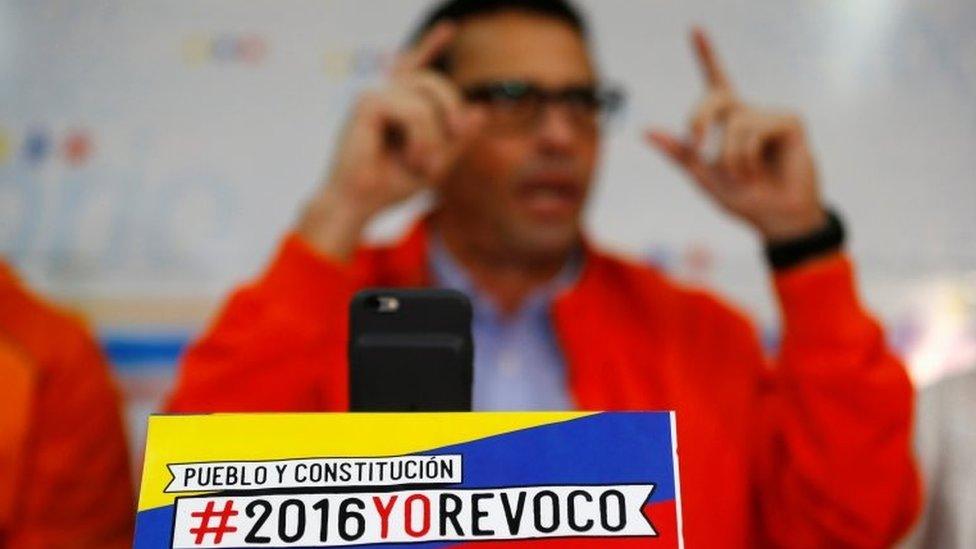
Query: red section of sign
point(664, 517)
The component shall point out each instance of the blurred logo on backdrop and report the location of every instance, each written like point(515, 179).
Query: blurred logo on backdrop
point(247, 49)
point(360, 62)
point(253, 49)
point(694, 263)
point(72, 147)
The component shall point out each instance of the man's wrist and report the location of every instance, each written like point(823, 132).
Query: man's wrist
point(332, 226)
point(827, 239)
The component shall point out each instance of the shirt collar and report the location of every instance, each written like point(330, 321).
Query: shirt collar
point(447, 272)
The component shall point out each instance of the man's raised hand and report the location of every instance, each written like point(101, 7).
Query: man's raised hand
point(763, 172)
point(398, 140)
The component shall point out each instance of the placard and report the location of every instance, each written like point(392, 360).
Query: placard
point(549, 479)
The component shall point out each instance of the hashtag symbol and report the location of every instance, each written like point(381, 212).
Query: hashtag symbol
point(222, 527)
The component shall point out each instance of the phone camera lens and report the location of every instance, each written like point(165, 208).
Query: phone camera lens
point(385, 304)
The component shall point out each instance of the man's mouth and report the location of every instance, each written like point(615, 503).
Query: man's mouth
point(550, 196)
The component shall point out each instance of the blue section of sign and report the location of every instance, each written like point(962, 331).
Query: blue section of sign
point(154, 528)
point(607, 448)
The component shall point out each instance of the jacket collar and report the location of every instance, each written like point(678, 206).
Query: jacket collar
point(409, 258)
point(594, 321)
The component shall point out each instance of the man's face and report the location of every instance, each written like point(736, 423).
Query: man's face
point(521, 191)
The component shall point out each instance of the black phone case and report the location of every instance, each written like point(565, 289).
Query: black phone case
point(417, 357)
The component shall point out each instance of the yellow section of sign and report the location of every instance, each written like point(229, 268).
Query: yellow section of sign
point(242, 437)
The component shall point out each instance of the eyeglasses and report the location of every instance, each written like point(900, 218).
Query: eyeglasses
point(518, 106)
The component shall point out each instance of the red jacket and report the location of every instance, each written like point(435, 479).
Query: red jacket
point(813, 451)
point(64, 462)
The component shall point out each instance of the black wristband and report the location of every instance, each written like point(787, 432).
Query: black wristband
point(789, 253)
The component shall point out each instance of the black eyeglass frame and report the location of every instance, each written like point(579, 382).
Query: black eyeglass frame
point(605, 100)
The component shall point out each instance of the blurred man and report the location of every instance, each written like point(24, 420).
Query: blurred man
point(945, 436)
point(64, 469)
point(498, 107)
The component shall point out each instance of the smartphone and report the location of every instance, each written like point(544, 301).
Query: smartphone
point(410, 350)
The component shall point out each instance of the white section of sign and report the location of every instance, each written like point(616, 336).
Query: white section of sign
point(335, 520)
point(677, 478)
point(314, 473)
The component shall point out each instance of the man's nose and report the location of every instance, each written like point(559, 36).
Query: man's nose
point(556, 130)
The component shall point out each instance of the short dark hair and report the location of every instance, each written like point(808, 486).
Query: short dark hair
point(459, 10)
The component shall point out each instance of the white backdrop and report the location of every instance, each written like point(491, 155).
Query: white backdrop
point(152, 152)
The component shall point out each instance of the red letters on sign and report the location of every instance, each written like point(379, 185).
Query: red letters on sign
point(384, 513)
point(408, 515)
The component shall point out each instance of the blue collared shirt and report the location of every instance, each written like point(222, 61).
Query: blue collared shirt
point(518, 364)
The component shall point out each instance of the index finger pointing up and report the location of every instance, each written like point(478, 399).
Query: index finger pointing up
point(427, 49)
point(708, 60)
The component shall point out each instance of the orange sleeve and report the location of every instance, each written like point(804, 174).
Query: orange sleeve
point(836, 466)
point(278, 345)
point(76, 486)
point(16, 396)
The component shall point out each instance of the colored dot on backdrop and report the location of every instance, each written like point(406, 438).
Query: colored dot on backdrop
point(336, 64)
point(196, 50)
point(367, 61)
point(5, 146)
point(36, 146)
point(252, 49)
point(660, 257)
point(699, 258)
point(77, 147)
point(225, 49)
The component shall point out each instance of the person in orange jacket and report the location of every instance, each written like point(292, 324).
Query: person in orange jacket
point(498, 108)
point(64, 464)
